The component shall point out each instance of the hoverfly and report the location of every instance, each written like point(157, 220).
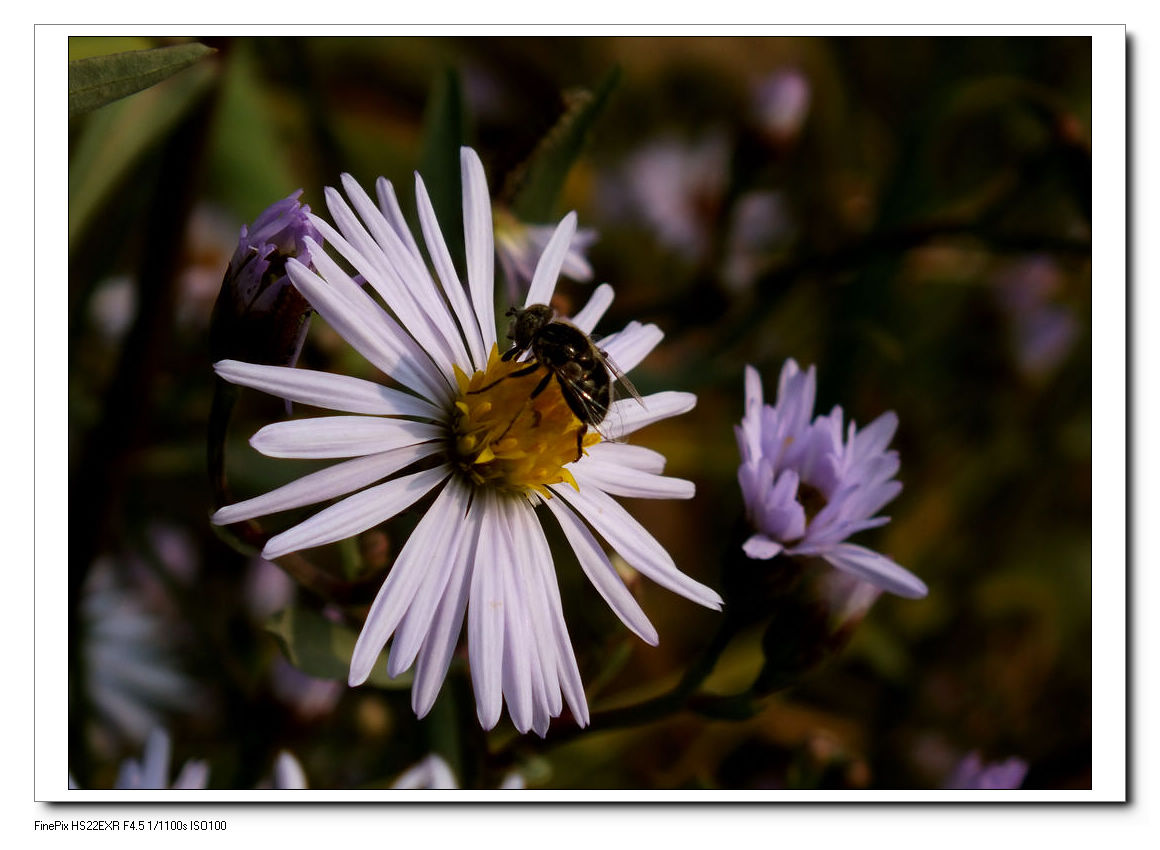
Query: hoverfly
point(583, 371)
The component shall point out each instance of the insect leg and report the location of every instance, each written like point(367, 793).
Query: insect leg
point(518, 373)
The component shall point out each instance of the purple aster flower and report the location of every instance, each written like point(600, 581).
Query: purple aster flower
point(259, 316)
point(807, 488)
point(971, 774)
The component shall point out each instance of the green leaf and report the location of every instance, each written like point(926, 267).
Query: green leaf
point(539, 181)
point(439, 160)
point(96, 81)
point(249, 164)
point(323, 649)
point(113, 140)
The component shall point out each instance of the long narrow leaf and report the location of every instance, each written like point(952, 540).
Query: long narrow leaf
point(98, 80)
point(540, 182)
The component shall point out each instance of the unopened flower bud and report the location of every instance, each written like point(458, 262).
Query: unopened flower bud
point(259, 316)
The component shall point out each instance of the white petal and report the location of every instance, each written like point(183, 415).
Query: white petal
point(336, 480)
point(341, 436)
point(630, 483)
point(627, 348)
point(518, 646)
point(624, 454)
point(480, 243)
point(548, 268)
point(408, 571)
point(876, 569)
point(366, 328)
point(410, 276)
point(442, 637)
point(598, 303)
point(155, 760)
point(442, 558)
point(639, 548)
point(568, 672)
point(627, 415)
point(485, 633)
point(602, 573)
point(381, 259)
point(355, 514)
point(324, 389)
point(531, 550)
point(389, 205)
point(441, 257)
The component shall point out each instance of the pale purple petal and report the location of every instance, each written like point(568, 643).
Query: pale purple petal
point(480, 243)
point(761, 548)
point(356, 513)
point(548, 268)
point(627, 415)
point(441, 257)
point(336, 480)
point(410, 568)
point(485, 616)
point(638, 548)
point(598, 303)
point(602, 573)
point(627, 348)
point(631, 483)
point(874, 568)
point(341, 436)
point(326, 390)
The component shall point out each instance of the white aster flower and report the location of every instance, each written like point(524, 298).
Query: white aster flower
point(465, 428)
point(807, 489)
point(152, 771)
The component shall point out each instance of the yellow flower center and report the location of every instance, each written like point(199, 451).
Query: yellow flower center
point(502, 437)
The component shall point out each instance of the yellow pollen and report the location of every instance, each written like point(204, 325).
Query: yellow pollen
point(502, 437)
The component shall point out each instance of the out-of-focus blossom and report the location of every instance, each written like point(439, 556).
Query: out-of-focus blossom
point(152, 771)
point(433, 773)
point(972, 774)
point(288, 773)
point(519, 247)
point(113, 306)
point(259, 315)
point(807, 487)
point(310, 698)
point(130, 663)
point(1042, 330)
point(490, 449)
point(781, 102)
point(267, 588)
point(760, 226)
point(676, 187)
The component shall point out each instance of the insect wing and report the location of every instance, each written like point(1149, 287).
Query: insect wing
point(620, 377)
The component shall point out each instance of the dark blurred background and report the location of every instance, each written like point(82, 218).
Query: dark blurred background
point(912, 215)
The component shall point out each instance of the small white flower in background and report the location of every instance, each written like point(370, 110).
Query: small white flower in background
point(807, 488)
point(433, 773)
point(152, 771)
point(971, 774)
point(288, 773)
point(519, 247)
point(465, 428)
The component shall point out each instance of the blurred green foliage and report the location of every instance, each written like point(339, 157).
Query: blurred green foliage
point(922, 235)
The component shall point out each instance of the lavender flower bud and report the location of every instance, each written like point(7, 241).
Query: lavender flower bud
point(259, 316)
